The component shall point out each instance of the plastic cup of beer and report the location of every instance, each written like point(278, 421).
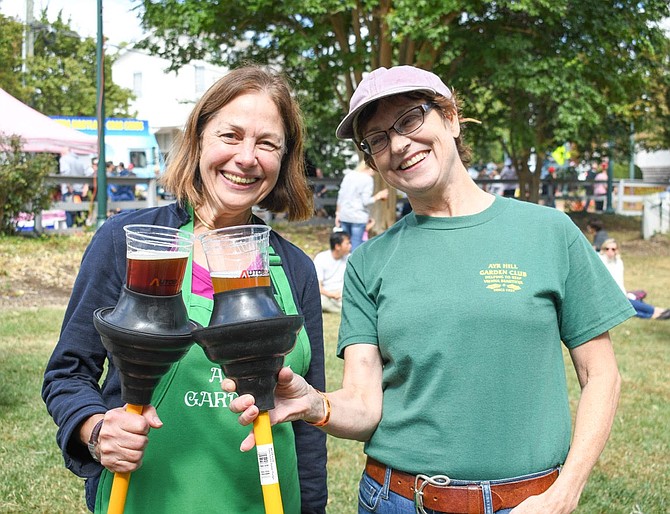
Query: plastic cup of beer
point(237, 257)
point(157, 258)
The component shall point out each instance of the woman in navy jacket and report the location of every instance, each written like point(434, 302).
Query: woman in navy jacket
point(242, 146)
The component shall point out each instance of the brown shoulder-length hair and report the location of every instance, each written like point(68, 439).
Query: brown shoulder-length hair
point(448, 107)
point(291, 194)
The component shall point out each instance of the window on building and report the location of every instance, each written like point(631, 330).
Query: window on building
point(138, 158)
point(199, 79)
point(137, 84)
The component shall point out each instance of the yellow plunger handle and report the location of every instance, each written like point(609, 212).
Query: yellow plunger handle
point(267, 464)
point(117, 499)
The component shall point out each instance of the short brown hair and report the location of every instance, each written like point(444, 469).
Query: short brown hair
point(448, 107)
point(291, 194)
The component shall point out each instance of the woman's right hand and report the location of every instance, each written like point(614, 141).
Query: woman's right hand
point(124, 436)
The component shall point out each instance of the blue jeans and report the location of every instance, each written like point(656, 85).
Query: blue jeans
point(379, 499)
point(642, 310)
point(71, 216)
point(355, 231)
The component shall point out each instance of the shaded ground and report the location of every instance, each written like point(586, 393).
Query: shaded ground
point(657, 245)
point(36, 272)
point(28, 294)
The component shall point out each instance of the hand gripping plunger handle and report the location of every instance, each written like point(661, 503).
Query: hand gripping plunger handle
point(117, 499)
point(267, 464)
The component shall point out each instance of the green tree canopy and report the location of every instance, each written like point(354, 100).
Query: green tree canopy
point(10, 56)
point(609, 50)
point(60, 77)
point(568, 72)
point(537, 73)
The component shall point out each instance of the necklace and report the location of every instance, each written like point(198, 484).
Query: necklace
point(211, 227)
point(204, 223)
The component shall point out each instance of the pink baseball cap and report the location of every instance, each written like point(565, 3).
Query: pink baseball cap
point(384, 82)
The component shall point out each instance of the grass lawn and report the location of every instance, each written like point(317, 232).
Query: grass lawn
point(633, 475)
point(32, 476)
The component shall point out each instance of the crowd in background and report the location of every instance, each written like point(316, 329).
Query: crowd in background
point(502, 178)
point(71, 164)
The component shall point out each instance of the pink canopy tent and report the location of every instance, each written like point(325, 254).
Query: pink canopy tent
point(39, 132)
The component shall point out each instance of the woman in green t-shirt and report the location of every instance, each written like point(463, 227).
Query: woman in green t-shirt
point(452, 328)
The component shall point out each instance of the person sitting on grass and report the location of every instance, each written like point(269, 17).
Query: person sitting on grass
point(611, 257)
point(598, 233)
point(330, 266)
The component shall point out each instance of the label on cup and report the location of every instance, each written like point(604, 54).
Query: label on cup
point(227, 281)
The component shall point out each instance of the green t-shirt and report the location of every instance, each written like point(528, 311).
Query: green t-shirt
point(469, 314)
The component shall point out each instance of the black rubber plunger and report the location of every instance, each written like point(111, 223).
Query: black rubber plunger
point(249, 336)
point(145, 334)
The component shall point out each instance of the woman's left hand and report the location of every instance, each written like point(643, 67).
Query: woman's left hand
point(292, 402)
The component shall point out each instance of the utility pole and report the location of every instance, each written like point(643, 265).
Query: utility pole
point(28, 39)
point(610, 178)
point(102, 167)
point(631, 165)
point(28, 50)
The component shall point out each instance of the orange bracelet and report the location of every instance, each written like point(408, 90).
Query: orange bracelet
point(326, 409)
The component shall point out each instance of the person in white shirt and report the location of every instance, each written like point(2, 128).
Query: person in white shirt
point(354, 201)
point(330, 266)
point(70, 164)
point(609, 253)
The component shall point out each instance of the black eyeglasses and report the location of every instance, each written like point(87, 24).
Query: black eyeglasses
point(407, 123)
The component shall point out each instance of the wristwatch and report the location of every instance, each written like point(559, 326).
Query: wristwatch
point(93, 441)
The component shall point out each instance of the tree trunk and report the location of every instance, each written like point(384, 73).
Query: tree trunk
point(384, 212)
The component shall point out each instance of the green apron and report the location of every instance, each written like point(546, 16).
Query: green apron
point(193, 462)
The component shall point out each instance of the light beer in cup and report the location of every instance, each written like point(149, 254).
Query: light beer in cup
point(156, 259)
point(237, 257)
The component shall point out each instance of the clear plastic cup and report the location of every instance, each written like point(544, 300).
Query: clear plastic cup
point(157, 258)
point(238, 257)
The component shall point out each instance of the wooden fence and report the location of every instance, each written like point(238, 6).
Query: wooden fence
point(627, 195)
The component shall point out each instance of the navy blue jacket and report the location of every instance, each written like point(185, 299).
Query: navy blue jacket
point(71, 388)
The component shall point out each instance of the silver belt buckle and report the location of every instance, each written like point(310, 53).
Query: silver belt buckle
point(435, 480)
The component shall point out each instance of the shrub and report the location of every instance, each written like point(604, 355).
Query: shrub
point(22, 182)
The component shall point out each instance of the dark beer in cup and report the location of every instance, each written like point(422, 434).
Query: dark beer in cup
point(156, 273)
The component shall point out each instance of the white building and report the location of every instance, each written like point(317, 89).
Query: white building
point(655, 166)
point(164, 98)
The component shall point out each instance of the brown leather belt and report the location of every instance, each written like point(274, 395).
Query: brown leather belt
point(465, 499)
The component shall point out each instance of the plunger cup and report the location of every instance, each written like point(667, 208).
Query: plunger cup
point(148, 329)
point(248, 335)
